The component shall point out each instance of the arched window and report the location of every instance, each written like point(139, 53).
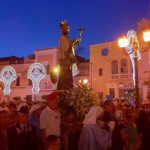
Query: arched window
point(123, 66)
point(114, 67)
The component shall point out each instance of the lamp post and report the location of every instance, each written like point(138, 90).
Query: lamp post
point(91, 73)
point(131, 47)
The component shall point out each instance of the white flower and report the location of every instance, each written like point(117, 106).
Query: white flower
point(81, 99)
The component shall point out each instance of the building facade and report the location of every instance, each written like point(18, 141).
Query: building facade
point(22, 86)
point(111, 71)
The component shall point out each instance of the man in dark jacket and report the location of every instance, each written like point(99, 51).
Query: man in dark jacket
point(22, 136)
point(144, 123)
point(4, 123)
point(109, 115)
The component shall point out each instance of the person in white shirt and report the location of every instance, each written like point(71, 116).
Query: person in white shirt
point(92, 136)
point(50, 118)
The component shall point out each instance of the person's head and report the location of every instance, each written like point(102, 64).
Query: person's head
point(64, 27)
point(12, 107)
point(125, 104)
point(110, 107)
point(146, 103)
point(13, 117)
point(52, 100)
point(131, 118)
point(53, 142)
point(36, 109)
point(23, 114)
point(129, 111)
point(4, 118)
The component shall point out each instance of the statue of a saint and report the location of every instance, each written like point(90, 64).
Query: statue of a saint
point(66, 57)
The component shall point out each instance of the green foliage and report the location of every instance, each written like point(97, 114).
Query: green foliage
point(44, 97)
point(78, 100)
point(28, 98)
point(16, 98)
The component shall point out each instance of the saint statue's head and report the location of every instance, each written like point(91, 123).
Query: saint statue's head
point(64, 27)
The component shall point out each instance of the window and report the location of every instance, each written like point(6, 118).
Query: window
point(46, 66)
point(100, 71)
point(124, 66)
point(114, 67)
point(45, 85)
point(20, 61)
point(18, 81)
point(104, 52)
point(47, 69)
point(29, 82)
point(112, 92)
point(83, 69)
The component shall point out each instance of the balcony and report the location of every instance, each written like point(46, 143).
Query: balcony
point(121, 76)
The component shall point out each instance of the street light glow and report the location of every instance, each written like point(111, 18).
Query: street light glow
point(85, 81)
point(56, 69)
point(146, 36)
point(133, 46)
point(123, 42)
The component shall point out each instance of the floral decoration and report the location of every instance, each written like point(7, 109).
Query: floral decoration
point(78, 100)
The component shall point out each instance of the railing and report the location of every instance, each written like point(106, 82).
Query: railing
point(124, 76)
point(121, 76)
point(114, 76)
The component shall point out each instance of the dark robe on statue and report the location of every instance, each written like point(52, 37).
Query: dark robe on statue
point(66, 58)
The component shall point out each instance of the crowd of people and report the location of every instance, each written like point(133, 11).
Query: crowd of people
point(114, 125)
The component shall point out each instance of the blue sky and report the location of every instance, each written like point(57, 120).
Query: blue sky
point(27, 25)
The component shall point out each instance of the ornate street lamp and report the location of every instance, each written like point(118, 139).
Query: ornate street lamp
point(130, 45)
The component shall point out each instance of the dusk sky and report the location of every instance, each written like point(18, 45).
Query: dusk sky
point(27, 25)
